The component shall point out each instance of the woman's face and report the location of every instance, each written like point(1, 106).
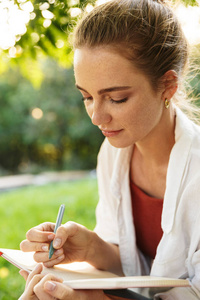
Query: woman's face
point(118, 98)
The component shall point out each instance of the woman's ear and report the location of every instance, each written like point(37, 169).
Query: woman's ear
point(170, 83)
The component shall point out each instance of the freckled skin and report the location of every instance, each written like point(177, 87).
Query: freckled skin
point(138, 117)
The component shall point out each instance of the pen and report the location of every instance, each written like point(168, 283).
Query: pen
point(58, 223)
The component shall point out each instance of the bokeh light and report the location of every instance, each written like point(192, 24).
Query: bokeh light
point(37, 113)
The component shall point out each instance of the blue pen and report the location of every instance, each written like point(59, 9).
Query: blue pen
point(58, 223)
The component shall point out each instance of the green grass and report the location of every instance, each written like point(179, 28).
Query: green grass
point(27, 207)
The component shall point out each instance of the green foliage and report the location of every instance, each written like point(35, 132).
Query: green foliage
point(190, 2)
point(48, 35)
point(40, 36)
point(62, 139)
point(27, 207)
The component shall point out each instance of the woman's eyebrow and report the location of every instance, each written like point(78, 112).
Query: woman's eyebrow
point(110, 89)
point(113, 89)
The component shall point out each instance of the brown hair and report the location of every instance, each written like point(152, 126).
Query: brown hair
point(145, 31)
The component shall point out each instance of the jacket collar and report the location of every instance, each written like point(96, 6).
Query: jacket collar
point(121, 171)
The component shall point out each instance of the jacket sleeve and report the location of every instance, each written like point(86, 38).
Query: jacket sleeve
point(192, 220)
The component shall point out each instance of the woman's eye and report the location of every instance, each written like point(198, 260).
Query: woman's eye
point(86, 98)
point(112, 100)
point(119, 101)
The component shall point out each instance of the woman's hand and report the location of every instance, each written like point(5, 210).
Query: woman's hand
point(49, 287)
point(72, 241)
point(31, 280)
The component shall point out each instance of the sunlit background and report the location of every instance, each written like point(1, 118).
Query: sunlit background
point(190, 19)
point(13, 21)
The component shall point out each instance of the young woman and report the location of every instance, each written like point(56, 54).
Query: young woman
point(129, 60)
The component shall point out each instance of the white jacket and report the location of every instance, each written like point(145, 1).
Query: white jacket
point(178, 253)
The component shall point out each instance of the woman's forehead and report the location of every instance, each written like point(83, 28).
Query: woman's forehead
point(99, 69)
point(102, 59)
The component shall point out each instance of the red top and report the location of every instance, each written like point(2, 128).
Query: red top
point(147, 212)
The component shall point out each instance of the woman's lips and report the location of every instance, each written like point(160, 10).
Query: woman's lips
point(111, 133)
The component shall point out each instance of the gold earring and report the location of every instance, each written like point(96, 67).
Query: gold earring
point(167, 103)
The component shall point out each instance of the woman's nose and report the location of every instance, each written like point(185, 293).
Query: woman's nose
point(100, 114)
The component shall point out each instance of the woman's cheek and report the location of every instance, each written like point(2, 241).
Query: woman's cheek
point(89, 110)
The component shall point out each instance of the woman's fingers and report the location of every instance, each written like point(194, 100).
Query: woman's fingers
point(55, 261)
point(71, 242)
point(38, 238)
point(40, 233)
point(63, 232)
point(39, 288)
point(28, 246)
point(43, 257)
point(32, 279)
point(49, 287)
point(24, 274)
point(62, 292)
point(36, 271)
point(59, 290)
point(33, 282)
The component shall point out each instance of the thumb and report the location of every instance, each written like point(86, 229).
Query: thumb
point(63, 233)
point(63, 292)
point(58, 290)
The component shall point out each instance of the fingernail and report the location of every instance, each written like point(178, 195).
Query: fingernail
point(57, 243)
point(45, 248)
point(50, 286)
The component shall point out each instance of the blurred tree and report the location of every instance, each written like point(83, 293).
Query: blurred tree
point(47, 127)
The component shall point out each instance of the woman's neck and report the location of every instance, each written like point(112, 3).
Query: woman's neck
point(150, 156)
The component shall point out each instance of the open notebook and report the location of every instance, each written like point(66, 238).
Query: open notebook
point(82, 275)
